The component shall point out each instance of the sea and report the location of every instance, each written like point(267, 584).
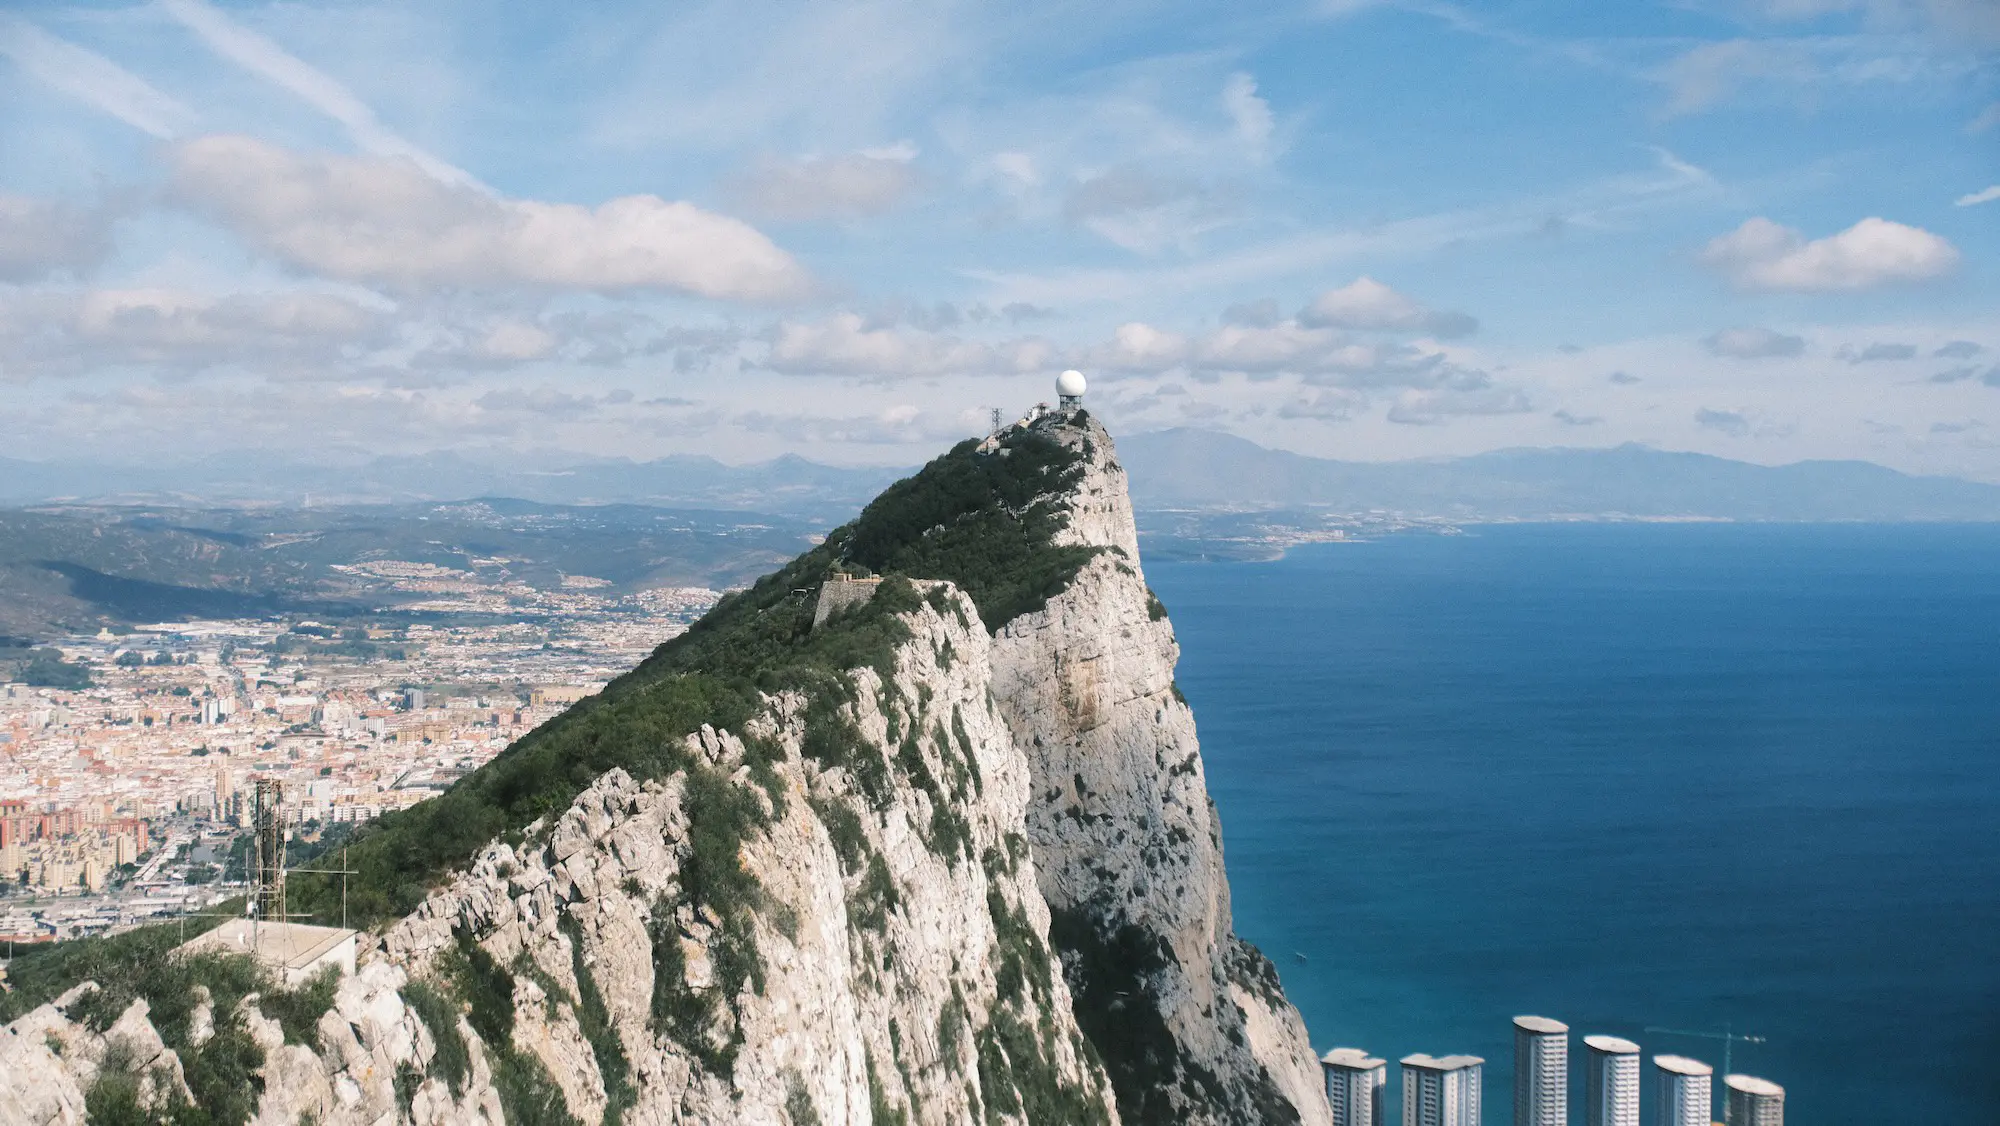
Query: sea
point(1664, 781)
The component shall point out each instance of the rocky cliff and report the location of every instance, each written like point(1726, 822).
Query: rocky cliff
point(944, 855)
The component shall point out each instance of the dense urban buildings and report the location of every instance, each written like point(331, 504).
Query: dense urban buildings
point(1441, 1091)
point(126, 799)
point(1750, 1101)
point(1354, 1085)
point(1611, 1082)
point(1686, 1097)
point(1541, 1072)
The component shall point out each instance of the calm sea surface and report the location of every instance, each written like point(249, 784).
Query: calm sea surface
point(1688, 776)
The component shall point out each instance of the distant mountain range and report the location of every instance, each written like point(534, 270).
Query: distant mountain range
point(785, 486)
point(1202, 469)
point(1169, 470)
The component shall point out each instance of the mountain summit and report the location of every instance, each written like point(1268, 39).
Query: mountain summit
point(914, 830)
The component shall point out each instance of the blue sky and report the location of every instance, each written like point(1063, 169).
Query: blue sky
point(1766, 229)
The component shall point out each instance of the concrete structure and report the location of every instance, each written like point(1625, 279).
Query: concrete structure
point(1687, 1096)
point(1541, 1072)
point(1069, 390)
point(1750, 1101)
point(842, 592)
point(1610, 1082)
point(1354, 1084)
point(292, 951)
point(1441, 1090)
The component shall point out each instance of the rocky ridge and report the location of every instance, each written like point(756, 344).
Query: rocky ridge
point(974, 878)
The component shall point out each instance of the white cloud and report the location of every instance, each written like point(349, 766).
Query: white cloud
point(1435, 406)
point(1142, 211)
point(898, 424)
point(1251, 113)
point(385, 220)
point(1984, 195)
point(90, 77)
point(1802, 69)
point(848, 186)
point(262, 57)
point(845, 344)
point(517, 340)
point(1761, 254)
point(1984, 120)
point(38, 237)
point(1365, 303)
point(287, 332)
point(1878, 352)
point(1753, 344)
point(1736, 424)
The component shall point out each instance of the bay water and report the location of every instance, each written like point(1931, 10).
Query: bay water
point(1688, 776)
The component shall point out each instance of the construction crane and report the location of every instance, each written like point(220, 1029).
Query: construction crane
point(1729, 1036)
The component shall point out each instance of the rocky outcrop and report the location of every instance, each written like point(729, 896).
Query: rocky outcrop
point(974, 879)
point(1189, 1018)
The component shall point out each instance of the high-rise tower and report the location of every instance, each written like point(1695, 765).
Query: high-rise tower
point(1441, 1090)
point(1354, 1083)
point(1686, 1092)
point(1541, 1072)
point(1750, 1101)
point(1611, 1082)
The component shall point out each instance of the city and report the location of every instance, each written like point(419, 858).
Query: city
point(1445, 1091)
point(124, 789)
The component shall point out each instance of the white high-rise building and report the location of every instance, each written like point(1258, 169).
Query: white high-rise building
point(1354, 1083)
point(1541, 1072)
point(1750, 1101)
point(1441, 1090)
point(1686, 1093)
point(1611, 1083)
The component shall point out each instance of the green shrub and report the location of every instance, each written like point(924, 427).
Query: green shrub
point(453, 1060)
point(595, 1018)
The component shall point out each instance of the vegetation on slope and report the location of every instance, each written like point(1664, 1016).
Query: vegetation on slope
point(983, 521)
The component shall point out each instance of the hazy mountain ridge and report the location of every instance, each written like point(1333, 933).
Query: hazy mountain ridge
point(1205, 469)
point(787, 486)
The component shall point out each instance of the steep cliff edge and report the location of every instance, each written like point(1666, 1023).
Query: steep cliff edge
point(1190, 1020)
point(944, 856)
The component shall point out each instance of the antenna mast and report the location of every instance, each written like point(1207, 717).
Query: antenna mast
point(267, 830)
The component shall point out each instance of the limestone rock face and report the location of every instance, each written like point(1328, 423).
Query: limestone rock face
point(1128, 847)
point(996, 897)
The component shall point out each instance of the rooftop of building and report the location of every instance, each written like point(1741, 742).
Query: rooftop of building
point(1541, 1026)
point(1440, 1063)
point(1681, 1065)
point(291, 946)
point(1613, 1045)
point(1353, 1058)
point(1751, 1085)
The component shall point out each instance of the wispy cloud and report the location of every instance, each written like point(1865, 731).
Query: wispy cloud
point(263, 57)
point(1985, 195)
point(1601, 203)
point(93, 79)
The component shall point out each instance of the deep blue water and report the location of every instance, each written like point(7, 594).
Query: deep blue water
point(1623, 775)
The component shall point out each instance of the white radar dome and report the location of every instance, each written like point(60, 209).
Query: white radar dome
point(1070, 384)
